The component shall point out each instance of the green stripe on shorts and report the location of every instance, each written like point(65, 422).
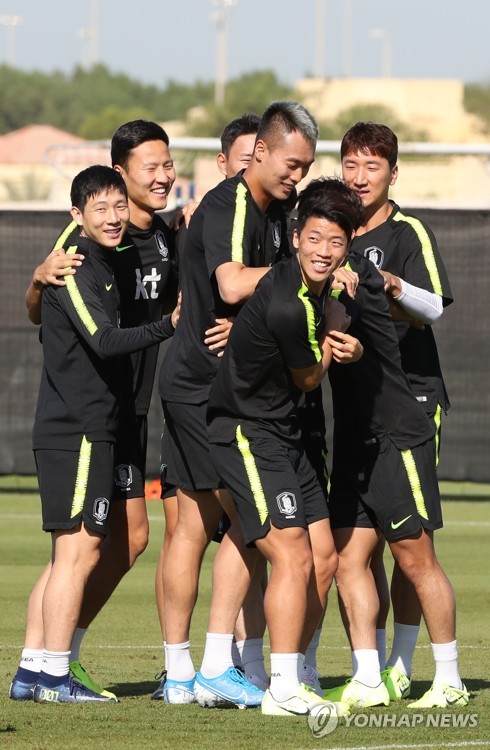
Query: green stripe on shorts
point(413, 478)
point(437, 436)
point(253, 475)
point(82, 477)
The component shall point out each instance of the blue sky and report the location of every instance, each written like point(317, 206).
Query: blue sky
point(176, 39)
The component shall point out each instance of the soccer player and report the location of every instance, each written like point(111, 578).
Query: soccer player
point(83, 382)
point(143, 269)
point(384, 482)
point(237, 145)
point(235, 235)
point(405, 252)
point(277, 348)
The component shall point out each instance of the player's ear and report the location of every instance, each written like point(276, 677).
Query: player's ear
point(118, 168)
point(394, 174)
point(221, 162)
point(260, 149)
point(76, 215)
point(295, 239)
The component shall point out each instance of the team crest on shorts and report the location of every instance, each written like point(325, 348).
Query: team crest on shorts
point(161, 244)
point(286, 502)
point(375, 255)
point(123, 476)
point(276, 234)
point(101, 509)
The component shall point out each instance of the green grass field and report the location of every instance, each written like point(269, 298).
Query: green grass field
point(122, 650)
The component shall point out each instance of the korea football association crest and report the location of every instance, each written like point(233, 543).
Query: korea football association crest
point(101, 510)
point(276, 234)
point(161, 244)
point(286, 502)
point(123, 477)
point(375, 255)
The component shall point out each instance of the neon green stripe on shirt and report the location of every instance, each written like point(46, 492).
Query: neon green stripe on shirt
point(310, 322)
point(427, 249)
point(239, 224)
point(78, 301)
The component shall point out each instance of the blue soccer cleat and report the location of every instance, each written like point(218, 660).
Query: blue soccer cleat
point(23, 684)
point(231, 687)
point(177, 691)
point(69, 690)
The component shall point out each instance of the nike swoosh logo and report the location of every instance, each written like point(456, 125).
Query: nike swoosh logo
point(126, 247)
point(397, 525)
point(108, 287)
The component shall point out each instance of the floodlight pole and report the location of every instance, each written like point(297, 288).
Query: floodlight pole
point(10, 21)
point(320, 14)
point(222, 18)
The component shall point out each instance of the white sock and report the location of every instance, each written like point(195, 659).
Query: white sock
point(235, 654)
point(78, 636)
point(404, 642)
point(31, 659)
point(164, 656)
point(179, 662)
point(217, 654)
point(56, 663)
point(301, 666)
point(381, 646)
point(446, 658)
point(365, 666)
point(284, 676)
point(310, 656)
point(252, 658)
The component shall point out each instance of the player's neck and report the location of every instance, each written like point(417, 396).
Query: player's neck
point(374, 216)
point(140, 217)
point(260, 196)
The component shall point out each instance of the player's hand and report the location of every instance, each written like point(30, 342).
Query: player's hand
point(56, 265)
point(345, 348)
point(176, 312)
point(217, 337)
point(336, 318)
point(392, 283)
point(185, 213)
point(344, 278)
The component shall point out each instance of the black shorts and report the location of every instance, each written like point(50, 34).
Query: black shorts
point(376, 485)
point(76, 486)
point(185, 446)
point(130, 457)
point(270, 482)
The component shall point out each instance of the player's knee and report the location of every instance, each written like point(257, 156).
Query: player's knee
point(138, 542)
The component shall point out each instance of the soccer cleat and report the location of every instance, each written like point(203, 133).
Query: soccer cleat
point(301, 704)
point(81, 675)
point(397, 683)
point(230, 687)
point(157, 695)
point(440, 695)
point(69, 691)
point(309, 676)
point(22, 691)
point(357, 695)
point(177, 691)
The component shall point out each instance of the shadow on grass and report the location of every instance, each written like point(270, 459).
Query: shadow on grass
point(133, 689)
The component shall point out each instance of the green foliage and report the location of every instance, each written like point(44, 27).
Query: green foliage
point(477, 101)
point(104, 123)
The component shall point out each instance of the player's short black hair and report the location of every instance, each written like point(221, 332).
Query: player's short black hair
point(94, 181)
point(371, 138)
point(282, 118)
point(133, 134)
point(329, 198)
point(247, 124)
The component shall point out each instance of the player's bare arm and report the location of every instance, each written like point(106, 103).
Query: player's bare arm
point(51, 271)
point(236, 282)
